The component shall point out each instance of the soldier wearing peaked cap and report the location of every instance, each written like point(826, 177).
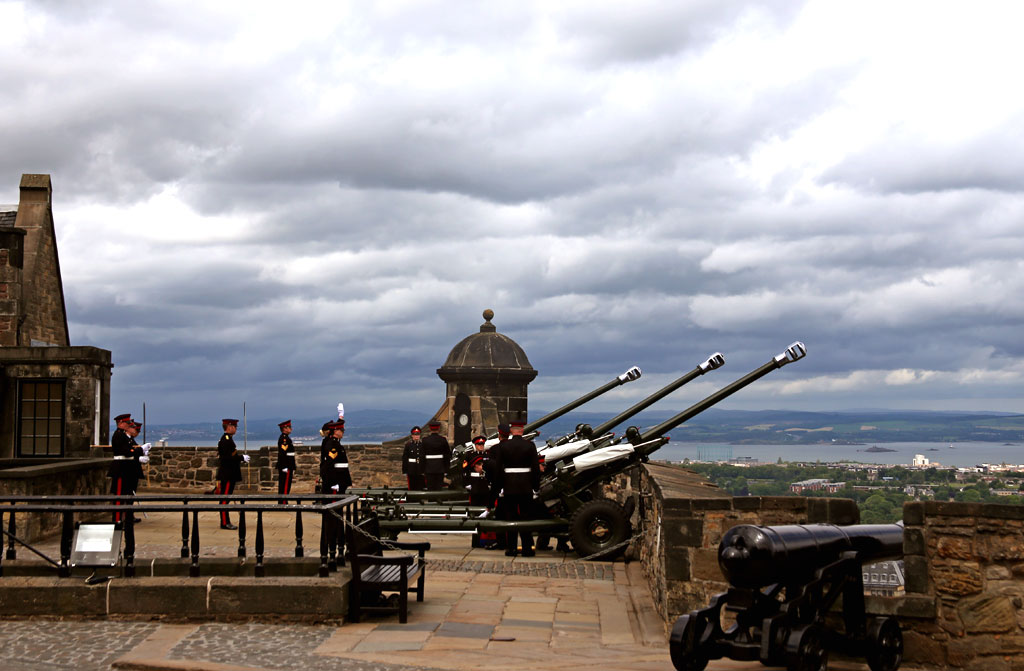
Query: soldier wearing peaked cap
point(229, 471)
point(437, 455)
point(474, 472)
point(122, 466)
point(337, 478)
point(517, 479)
point(412, 459)
point(285, 464)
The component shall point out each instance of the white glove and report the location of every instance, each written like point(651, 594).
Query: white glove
point(341, 411)
point(502, 492)
point(535, 495)
point(335, 488)
point(143, 459)
point(245, 458)
point(146, 447)
point(284, 470)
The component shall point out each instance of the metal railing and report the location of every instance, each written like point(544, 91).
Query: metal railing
point(330, 507)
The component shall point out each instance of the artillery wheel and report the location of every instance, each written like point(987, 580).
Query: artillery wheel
point(684, 645)
point(598, 525)
point(805, 650)
point(885, 644)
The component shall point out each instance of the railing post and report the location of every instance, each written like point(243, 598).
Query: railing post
point(298, 533)
point(241, 530)
point(67, 531)
point(324, 569)
point(1, 526)
point(129, 545)
point(259, 569)
point(11, 529)
point(193, 570)
point(184, 532)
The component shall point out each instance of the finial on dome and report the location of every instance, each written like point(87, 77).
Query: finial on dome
point(487, 326)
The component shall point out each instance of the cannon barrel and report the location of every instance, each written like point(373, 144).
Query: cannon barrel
point(753, 556)
point(794, 352)
point(631, 374)
point(714, 361)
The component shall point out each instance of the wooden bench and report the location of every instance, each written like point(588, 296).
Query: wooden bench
point(373, 573)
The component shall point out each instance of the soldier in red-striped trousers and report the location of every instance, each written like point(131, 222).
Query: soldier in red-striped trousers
point(285, 460)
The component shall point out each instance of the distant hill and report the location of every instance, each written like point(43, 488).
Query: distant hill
point(714, 425)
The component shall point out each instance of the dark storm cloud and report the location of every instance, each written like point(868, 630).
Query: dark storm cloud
point(293, 208)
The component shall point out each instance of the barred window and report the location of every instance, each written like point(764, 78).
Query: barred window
point(40, 418)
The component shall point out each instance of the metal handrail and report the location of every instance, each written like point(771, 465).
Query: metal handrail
point(329, 506)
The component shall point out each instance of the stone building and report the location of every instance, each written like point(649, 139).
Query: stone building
point(486, 375)
point(54, 397)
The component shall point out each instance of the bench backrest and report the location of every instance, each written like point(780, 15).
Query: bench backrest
point(360, 543)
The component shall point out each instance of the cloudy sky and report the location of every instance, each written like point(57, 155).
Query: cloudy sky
point(292, 204)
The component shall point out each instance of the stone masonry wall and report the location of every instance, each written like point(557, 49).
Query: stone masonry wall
point(968, 559)
point(372, 465)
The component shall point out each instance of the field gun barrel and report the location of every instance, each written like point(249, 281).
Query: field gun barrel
point(713, 362)
point(633, 373)
point(794, 352)
point(753, 556)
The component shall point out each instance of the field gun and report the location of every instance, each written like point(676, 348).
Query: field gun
point(598, 527)
point(456, 492)
point(783, 581)
point(585, 438)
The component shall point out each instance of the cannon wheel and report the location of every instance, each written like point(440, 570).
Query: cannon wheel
point(684, 644)
point(885, 644)
point(805, 650)
point(597, 525)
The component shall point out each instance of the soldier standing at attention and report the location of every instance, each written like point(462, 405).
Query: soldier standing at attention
point(412, 465)
point(437, 456)
point(229, 471)
point(517, 479)
point(140, 455)
point(337, 478)
point(121, 467)
point(474, 473)
point(285, 460)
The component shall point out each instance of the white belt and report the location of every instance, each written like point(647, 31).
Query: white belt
point(120, 457)
point(341, 465)
point(517, 470)
point(435, 456)
point(413, 461)
point(474, 474)
point(289, 454)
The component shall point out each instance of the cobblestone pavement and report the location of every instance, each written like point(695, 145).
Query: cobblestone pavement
point(582, 570)
point(82, 646)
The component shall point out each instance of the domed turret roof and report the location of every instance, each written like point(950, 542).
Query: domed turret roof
point(487, 352)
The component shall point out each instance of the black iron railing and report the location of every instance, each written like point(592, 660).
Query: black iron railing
point(334, 511)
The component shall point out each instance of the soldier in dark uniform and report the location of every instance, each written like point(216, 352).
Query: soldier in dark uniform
point(503, 434)
point(121, 467)
point(437, 455)
point(517, 479)
point(474, 473)
point(285, 460)
point(412, 459)
point(337, 478)
point(229, 471)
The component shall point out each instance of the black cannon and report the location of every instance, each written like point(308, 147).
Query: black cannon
point(783, 581)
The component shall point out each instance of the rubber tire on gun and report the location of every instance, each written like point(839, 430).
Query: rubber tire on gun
point(598, 525)
point(684, 645)
point(885, 644)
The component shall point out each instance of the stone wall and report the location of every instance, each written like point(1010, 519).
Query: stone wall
point(372, 465)
point(48, 477)
point(682, 518)
point(967, 559)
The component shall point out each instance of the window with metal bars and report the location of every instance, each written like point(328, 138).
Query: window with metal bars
point(41, 418)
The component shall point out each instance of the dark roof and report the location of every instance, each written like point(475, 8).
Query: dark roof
point(487, 349)
point(7, 216)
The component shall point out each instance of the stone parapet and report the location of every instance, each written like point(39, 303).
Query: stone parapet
point(372, 465)
point(967, 559)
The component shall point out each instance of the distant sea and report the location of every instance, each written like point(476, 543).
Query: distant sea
point(961, 454)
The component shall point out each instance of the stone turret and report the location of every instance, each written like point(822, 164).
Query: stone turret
point(486, 375)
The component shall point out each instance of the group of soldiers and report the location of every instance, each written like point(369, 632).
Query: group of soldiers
point(505, 478)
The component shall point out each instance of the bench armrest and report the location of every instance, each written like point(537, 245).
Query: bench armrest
point(419, 546)
point(377, 560)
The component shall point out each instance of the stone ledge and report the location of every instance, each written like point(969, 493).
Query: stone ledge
point(214, 598)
